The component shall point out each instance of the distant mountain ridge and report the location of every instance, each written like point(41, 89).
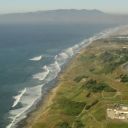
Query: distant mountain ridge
point(64, 16)
point(58, 11)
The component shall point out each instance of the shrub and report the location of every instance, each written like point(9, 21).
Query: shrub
point(124, 78)
point(93, 86)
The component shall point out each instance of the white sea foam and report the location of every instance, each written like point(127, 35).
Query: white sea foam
point(50, 72)
point(54, 70)
point(18, 97)
point(42, 75)
point(30, 97)
point(69, 52)
point(61, 58)
point(122, 37)
point(37, 58)
point(62, 55)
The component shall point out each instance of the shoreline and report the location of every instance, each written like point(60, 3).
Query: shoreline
point(43, 106)
point(46, 100)
point(53, 84)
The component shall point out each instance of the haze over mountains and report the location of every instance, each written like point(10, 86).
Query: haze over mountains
point(65, 16)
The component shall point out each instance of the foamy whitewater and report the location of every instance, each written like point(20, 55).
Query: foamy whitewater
point(18, 97)
point(37, 58)
point(122, 37)
point(31, 96)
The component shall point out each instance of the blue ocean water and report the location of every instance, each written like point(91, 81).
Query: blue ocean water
point(25, 52)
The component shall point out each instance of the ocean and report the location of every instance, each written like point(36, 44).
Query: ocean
point(31, 56)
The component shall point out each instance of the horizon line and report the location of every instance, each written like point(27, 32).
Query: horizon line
point(34, 11)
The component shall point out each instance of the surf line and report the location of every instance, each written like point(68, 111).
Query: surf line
point(18, 97)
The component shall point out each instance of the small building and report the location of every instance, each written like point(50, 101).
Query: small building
point(119, 112)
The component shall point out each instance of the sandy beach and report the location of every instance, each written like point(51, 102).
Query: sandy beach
point(48, 100)
point(43, 106)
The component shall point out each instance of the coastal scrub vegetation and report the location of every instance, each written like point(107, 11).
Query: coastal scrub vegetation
point(113, 59)
point(63, 125)
point(71, 107)
point(124, 78)
point(94, 86)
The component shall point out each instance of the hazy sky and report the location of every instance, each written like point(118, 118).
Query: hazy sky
point(114, 6)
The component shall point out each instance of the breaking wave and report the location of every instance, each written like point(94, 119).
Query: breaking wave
point(30, 96)
point(18, 97)
point(37, 58)
point(42, 75)
point(27, 100)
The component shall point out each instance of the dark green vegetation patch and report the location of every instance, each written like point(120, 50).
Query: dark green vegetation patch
point(113, 58)
point(124, 78)
point(63, 125)
point(71, 107)
point(94, 86)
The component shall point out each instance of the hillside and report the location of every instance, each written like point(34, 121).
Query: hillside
point(65, 16)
